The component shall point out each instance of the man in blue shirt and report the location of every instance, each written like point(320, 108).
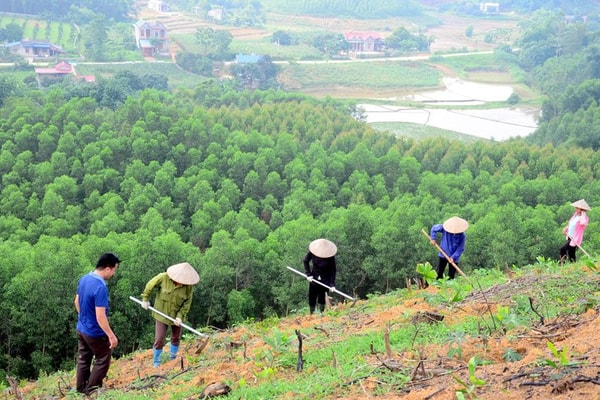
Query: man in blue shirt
point(94, 334)
point(453, 243)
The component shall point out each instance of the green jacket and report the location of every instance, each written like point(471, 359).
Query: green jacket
point(175, 301)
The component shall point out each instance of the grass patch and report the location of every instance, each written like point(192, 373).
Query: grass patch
point(18, 74)
point(496, 67)
point(295, 23)
point(187, 42)
point(265, 46)
point(177, 78)
point(37, 29)
point(420, 132)
point(386, 75)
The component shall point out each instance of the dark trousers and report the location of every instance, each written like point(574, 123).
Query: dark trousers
point(568, 250)
point(160, 334)
point(89, 347)
point(442, 266)
point(316, 293)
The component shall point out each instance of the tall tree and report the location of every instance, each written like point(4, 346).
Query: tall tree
point(95, 38)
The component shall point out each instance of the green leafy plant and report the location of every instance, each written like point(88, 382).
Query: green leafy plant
point(511, 355)
point(427, 271)
point(454, 291)
point(455, 341)
point(278, 341)
point(591, 264)
point(267, 373)
point(468, 390)
point(562, 357)
point(507, 318)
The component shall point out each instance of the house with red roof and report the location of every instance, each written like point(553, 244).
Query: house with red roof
point(151, 37)
point(361, 42)
point(58, 72)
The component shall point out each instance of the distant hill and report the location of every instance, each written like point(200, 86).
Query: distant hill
point(117, 9)
point(340, 8)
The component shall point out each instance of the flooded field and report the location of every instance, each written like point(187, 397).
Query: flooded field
point(494, 123)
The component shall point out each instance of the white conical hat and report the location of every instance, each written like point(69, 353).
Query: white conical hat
point(322, 248)
point(455, 225)
point(581, 204)
point(183, 273)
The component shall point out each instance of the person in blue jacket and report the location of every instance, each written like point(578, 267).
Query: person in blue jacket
point(452, 243)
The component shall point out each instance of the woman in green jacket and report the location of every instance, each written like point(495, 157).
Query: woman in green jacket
point(173, 298)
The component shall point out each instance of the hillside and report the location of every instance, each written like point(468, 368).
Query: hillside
point(539, 345)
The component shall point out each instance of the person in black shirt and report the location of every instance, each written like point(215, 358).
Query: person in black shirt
point(321, 252)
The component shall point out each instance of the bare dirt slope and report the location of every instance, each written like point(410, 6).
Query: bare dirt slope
point(450, 33)
point(235, 355)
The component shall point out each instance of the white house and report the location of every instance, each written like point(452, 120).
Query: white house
point(489, 8)
point(159, 6)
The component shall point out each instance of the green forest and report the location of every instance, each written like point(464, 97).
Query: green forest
point(69, 9)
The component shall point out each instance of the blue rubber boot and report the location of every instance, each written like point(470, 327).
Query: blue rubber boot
point(173, 352)
point(156, 360)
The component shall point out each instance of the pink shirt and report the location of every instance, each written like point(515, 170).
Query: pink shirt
point(576, 227)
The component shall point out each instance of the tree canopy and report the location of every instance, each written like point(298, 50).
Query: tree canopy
point(117, 9)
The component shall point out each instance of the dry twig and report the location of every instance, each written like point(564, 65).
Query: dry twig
point(14, 387)
point(300, 364)
point(386, 338)
point(322, 330)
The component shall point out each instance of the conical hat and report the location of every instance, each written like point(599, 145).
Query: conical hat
point(581, 204)
point(183, 273)
point(322, 248)
point(455, 225)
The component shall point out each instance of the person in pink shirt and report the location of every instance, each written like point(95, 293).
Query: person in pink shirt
point(574, 230)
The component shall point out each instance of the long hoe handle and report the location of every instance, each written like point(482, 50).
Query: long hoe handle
point(189, 328)
point(322, 284)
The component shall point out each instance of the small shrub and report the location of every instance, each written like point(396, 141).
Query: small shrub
point(468, 390)
point(511, 355)
point(513, 99)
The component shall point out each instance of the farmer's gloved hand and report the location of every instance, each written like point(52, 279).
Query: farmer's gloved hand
point(309, 278)
point(332, 289)
point(145, 305)
point(177, 321)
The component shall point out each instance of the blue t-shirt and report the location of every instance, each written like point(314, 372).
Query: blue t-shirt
point(92, 293)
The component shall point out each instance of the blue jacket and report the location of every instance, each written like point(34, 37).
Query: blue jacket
point(453, 244)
